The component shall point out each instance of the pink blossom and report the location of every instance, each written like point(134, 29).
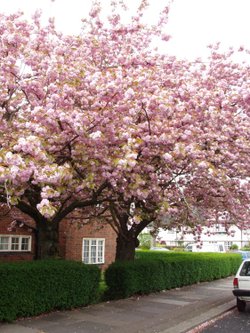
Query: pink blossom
point(247, 99)
point(103, 115)
point(129, 93)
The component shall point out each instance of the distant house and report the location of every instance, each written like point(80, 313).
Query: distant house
point(90, 243)
point(215, 234)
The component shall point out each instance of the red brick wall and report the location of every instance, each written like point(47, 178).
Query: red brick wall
point(16, 256)
point(6, 217)
point(72, 234)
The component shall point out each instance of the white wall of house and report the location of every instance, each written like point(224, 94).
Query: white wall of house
point(216, 234)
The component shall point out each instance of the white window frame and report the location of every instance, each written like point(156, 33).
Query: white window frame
point(95, 261)
point(19, 245)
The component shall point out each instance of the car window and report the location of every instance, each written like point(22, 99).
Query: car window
point(245, 270)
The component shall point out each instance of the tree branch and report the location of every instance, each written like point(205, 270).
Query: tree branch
point(147, 117)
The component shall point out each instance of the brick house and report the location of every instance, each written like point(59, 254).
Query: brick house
point(16, 243)
point(91, 243)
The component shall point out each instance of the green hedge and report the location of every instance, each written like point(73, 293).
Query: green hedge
point(127, 278)
point(161, 271)
point(31, 288)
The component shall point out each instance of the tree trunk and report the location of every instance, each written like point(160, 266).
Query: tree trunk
point(125, 247)
point(47, 239)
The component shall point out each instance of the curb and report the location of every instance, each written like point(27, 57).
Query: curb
point(15, 328)
point(192, 325)
point(201, 327)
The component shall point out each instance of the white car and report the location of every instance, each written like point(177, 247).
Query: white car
point(241, 285)
point(214, 247)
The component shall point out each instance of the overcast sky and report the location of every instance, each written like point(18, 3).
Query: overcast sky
point(193, 24)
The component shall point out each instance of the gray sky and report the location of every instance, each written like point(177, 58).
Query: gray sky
point(193, 24)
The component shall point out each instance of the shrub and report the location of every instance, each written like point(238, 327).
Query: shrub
point(157, 271)
point(31, 288)
point(234, 247)
point(246, 248)
point(178, 249)
point(145, 240)
point(127, 278)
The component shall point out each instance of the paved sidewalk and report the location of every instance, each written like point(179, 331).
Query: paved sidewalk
point(172, 311)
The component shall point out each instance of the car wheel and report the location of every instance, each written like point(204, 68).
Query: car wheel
point(241, 305)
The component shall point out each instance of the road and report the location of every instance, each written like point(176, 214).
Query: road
point(231, 322)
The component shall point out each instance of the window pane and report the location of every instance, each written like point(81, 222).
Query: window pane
point(86, 243)
point(100, 251)
point(25, 244)
point(86, 251)
point(14, 243)
point(93, 252)
point(4, 243)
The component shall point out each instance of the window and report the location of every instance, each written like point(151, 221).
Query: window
point(221, 248)
point(93, 250)
point(11, 243)
point(4, 243)
point(245, 271)
point(228, 245)
point(219, 229)
point(25, 244)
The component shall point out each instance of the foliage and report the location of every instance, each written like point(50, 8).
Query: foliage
point(234, 247)
point(154, 271)
point(246, 248)
point(178, 249)
point(127, 278)
point(31, 288)
point(145, 240)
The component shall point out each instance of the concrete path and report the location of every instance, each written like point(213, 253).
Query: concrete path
point(172, 311)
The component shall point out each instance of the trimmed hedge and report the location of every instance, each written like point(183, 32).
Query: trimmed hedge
point(166, 271)
point(127, 278)
point(32, 288)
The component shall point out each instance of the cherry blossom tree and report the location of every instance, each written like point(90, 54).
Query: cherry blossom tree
point(105, 123)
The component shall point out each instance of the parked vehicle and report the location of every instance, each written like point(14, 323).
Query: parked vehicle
point(244, 254)
point(213, 247)
point(241, 284)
